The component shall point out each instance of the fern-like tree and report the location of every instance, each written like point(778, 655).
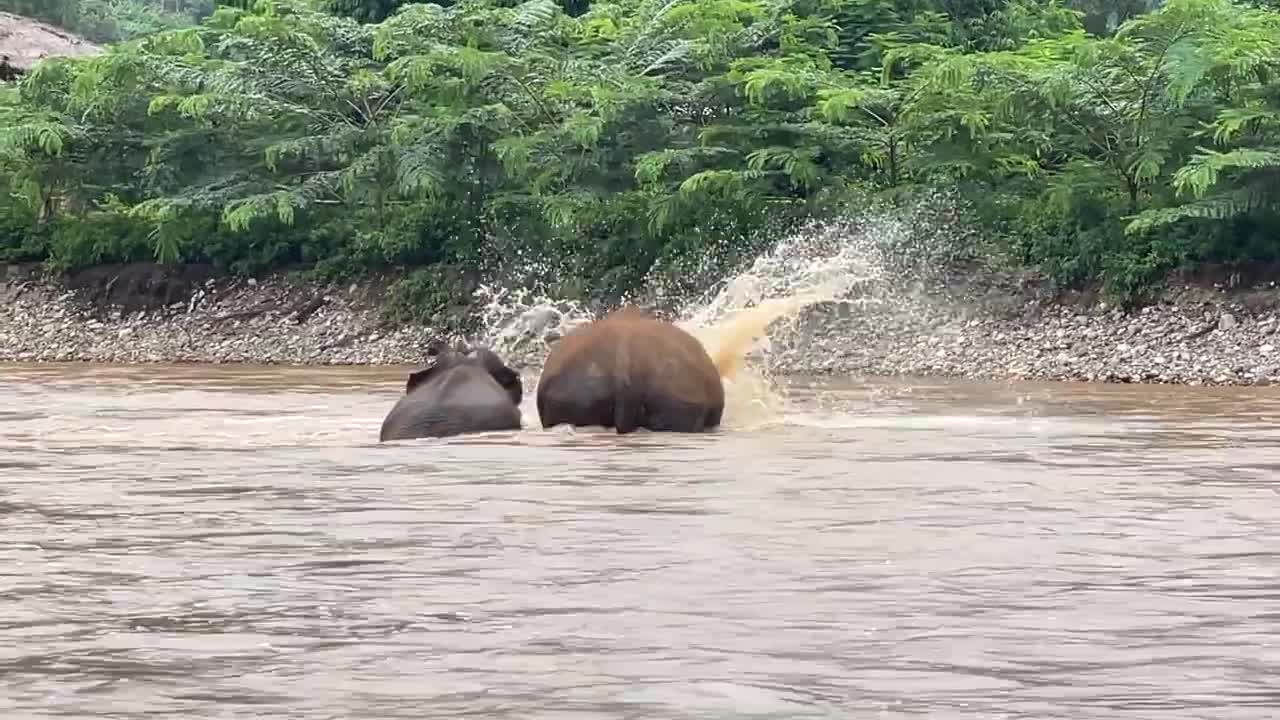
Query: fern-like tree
point(1071, 133)
point(601, 140)
point(1230, 59)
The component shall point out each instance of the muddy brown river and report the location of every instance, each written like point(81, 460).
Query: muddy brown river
point(229, 543)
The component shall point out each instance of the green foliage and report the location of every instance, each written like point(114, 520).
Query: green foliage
point(21, 239)
point(1105, 137)
point(436, 293)
point(364, 10)
point(597, 147)
point(1104, 17)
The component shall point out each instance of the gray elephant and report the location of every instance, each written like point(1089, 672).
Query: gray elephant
point(458, 392)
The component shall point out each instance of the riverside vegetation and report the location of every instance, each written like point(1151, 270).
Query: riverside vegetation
point(593, 149)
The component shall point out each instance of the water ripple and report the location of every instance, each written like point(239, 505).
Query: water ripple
point(197, 543)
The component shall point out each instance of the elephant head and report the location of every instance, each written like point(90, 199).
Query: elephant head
point(459, 391)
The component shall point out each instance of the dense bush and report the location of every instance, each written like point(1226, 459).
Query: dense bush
point(597, 145)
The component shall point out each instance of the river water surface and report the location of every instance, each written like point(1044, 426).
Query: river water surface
point(215, 543)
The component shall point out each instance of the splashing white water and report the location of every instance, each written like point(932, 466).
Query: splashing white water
point(818, 263)
point(520, 325)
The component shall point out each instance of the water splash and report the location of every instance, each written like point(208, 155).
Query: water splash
point(848, 261)
point(818, 263)
point(521, 325)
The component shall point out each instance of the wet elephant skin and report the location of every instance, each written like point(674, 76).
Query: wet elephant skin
point(458, 393)
point(629, 371)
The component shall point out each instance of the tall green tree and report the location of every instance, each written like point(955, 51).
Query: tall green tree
point(1227, 59)
point(601, 143)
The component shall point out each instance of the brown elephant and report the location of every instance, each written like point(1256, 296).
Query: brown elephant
point(459, 392)
point(629, 371)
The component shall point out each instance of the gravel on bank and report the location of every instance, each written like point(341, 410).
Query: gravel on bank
point(275, 321)
point(1191, 337)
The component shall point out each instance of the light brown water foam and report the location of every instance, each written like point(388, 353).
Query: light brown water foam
point(751, 398)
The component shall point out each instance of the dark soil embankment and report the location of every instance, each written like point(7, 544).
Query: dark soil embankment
point(143, 312)
point(1218, 327)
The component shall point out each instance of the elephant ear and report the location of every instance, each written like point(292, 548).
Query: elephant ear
point(510, 381)
point(505, 376)
point(435, 359)
point(438, 354)
point(417, 378)
point(507, 379)
point(495, 367)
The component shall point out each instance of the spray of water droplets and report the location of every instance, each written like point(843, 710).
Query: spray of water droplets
point(856, 261)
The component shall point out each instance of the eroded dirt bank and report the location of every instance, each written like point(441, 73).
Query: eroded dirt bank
point(1196, 334)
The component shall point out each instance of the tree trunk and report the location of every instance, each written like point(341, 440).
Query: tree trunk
point(893, 161)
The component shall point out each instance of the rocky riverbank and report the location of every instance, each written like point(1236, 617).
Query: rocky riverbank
point(1194, 335)
point(1180, 341)
point(139, 316)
